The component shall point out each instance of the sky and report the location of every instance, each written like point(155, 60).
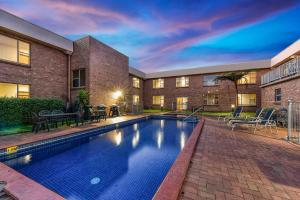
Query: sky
point(159, 35)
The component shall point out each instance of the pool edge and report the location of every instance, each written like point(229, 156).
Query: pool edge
point(171, 186)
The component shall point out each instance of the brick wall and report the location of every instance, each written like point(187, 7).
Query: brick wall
point(289, 90)
point(196, 90)
point(46, 75)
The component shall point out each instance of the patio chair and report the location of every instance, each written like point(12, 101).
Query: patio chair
point(258, 114)
point(235, 115)
point(39, 122)
point(44, 112)
point(282, 116)
point(265, 121)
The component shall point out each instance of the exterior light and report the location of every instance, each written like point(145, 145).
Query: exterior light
point(232, 106)
point(117, 94)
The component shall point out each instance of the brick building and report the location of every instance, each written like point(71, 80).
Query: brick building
point(35, 62)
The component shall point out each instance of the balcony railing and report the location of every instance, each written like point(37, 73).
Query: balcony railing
point(290, 68)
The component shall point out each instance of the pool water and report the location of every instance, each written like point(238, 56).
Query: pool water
point(126, 163)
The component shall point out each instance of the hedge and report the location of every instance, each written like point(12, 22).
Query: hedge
point(14, 111)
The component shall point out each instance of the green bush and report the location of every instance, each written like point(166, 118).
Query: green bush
point(14, 111)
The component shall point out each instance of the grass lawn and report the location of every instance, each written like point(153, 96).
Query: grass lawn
point(24, 128)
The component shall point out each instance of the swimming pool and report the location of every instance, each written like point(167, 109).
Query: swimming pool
point(126, 163)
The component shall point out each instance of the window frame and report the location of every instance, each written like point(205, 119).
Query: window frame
point(241, 81)
point(133, 98)
point(276, 95)
point(179, 79)
point(18, 90)
point(216, 99)
point(17, 52)
point(242, 99)
point(79, 81)
point(161, 83)
point(217, 83)
point(184, 105)
point(138, 81)
point(161, 100)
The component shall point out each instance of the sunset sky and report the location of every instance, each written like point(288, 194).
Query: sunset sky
point(164, 35)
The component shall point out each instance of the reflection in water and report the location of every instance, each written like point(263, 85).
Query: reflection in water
point(135, 127)
point(160, 138)
point(162, 123)
point(118, 138)
point(182, 139)
point(178, 123)
point(135, 139)
point(27, 158)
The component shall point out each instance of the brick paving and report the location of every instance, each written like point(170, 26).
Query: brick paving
point(23, 138)
point(238, 165)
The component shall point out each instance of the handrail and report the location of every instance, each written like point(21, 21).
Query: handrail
point(192, 113)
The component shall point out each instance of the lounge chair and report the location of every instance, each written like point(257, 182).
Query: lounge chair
point(258, 114)
point(235, 115)
point(265, 121)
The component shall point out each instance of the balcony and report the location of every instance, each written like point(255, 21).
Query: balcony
point(285, 71)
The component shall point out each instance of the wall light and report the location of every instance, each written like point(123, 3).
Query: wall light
point(117, 94)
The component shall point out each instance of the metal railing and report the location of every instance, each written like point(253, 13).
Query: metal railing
point(290, 68)
point(193, 113)
point(137, 108)
point(293, 121)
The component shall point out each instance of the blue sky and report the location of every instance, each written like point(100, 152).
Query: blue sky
point(162, 35)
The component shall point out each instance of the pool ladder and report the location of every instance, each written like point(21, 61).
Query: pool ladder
point(193, 113)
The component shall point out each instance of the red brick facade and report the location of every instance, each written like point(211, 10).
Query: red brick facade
point(196, 90)
point(46, 75)
point(289, 90)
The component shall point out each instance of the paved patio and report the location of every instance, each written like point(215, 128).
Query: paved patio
point(239, 165)
point(18, 139)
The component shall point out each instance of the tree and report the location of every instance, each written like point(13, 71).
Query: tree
point(234, 77)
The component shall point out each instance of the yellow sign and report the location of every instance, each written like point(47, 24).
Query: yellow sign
point(10, 150)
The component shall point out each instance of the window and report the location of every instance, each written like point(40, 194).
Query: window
point(247, 99)
point(136, 82)
point(182, 81)
point(210, 80)
point(79, 78)
point(158, 100)
point(158, 83)
point(277, 94)
point(14, 90)
point(249, 78)
point(135, 99)
point(211, 99)
point(14, 50)
point(182, 103)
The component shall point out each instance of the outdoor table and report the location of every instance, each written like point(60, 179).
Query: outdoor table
point(61, 116)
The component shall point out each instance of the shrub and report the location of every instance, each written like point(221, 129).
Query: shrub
point(14, 111)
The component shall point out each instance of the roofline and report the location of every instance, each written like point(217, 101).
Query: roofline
point(286, 54)
point(137, 73)
point(13, 23)
point(251, 65)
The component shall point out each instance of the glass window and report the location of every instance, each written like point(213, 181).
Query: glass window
point(14, 50)
point(158, 100)
point(14, 90)
point(210, 80)
point(135, 99)
point(182, 81)
point(136, 82)
point(79, 78)
point(247, 99)
point(24, 53)
point(211, 99)
point(8, 48)
point(182, 103)
point(249, 78)
point(158, 83)
point(278, 94)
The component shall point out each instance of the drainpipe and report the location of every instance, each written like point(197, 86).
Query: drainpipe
point(69, 81)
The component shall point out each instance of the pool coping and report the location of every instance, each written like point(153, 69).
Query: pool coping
point(21, 187)
point(171, 186)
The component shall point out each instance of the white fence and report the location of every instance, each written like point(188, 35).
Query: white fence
point(293, 121)
point(290, 68)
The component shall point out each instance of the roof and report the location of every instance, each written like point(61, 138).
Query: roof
point(137, 72)
point(259, 64)
point(18, 25)
point(286, 54)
